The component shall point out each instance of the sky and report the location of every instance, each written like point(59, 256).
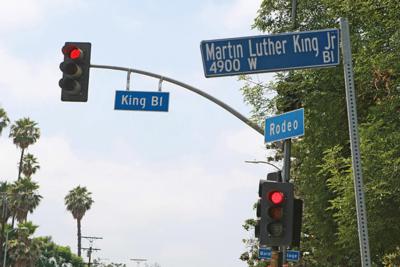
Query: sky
point(170, 187)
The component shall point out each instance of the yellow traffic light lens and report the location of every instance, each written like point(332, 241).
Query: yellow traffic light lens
point(275, 213)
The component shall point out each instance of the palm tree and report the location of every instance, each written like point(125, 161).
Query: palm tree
point(24, 251)
point(30, 165)
point(78, 201)
point(24, 133)
point(4, 120)
point(24, 198)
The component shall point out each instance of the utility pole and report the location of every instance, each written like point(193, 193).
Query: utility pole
point(138, 261)
point(90, 249)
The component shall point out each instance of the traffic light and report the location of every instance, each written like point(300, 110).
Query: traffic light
point(275, 209)
point(75, 69)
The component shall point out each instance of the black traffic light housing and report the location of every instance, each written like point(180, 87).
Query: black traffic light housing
point(275, 209)
point(75, 69)
point(297, 221)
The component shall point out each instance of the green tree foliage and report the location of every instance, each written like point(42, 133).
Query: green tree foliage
point(78, 201)
point(392, 259)
point(54, 255)
point(5, 212)
point(321, 169)
point(30, 165)
point(99, 263)
point(4, 120)
point(24, 133)
point(23, 198)
point(24, 251)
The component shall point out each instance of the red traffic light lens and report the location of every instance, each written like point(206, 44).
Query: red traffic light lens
point(276, 197)
point(75, 53)
point(72, 51)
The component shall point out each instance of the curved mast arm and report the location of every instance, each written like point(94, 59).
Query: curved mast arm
point(190, 88)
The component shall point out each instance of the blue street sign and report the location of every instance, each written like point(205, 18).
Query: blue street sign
point(266, 254)
point(141, 100)
point(267, 53)
point(284, 126)
point(292, 255)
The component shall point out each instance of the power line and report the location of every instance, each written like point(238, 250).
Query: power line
point(90, 249)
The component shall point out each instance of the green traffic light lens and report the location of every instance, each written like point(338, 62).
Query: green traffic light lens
point(70, 85)
point(275, 229)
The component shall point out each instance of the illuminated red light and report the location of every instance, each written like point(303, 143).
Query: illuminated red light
point(276, 197)
point(75, 53)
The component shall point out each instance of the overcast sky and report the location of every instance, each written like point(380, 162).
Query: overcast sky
point(169, 187)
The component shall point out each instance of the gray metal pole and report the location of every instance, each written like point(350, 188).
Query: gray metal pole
point(294, 13)
point(190, 88)
point(287, 143)
point(355, 144)
point(287, 147)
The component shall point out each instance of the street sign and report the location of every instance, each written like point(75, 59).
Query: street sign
point(292, 255)
point(266, 254)
point(267, 53)
point(284, 126)
point(141, 100)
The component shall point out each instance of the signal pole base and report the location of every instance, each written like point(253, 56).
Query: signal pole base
point(276, 259)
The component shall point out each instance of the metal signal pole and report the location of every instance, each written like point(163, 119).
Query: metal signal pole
point(287, 147)
point(355, 144)
point(186, 86)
